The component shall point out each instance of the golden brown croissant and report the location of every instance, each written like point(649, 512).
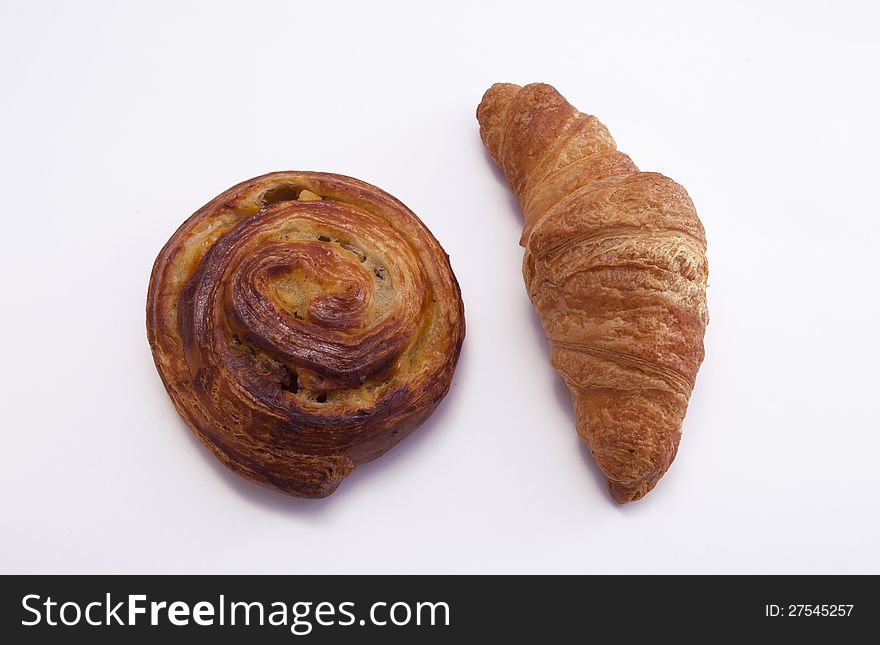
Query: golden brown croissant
point(303, 323)
point(615, 265)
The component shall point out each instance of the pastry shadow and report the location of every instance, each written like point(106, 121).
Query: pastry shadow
point(360, 477)
point(251, 492)
point(277, 501)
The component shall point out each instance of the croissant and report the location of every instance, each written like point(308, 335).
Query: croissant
point(303, 323)
point(615, 266)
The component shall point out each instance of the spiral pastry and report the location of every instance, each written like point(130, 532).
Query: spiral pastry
point(303, 323)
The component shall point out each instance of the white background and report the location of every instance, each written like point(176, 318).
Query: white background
point(118, 120)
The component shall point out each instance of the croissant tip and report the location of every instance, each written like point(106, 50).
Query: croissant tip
point(626, 493)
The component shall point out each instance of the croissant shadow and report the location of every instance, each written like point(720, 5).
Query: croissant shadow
point(560, 390)
point(502, 181)
point(563, 399)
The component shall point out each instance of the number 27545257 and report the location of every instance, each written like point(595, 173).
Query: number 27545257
point(808, 610)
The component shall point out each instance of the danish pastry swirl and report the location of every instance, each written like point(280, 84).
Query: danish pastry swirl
point(304, 323)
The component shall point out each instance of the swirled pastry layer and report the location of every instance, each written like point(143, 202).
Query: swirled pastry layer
point(303, 323)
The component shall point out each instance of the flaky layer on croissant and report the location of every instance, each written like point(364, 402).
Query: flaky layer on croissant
point(303, 323)
point(615, 265)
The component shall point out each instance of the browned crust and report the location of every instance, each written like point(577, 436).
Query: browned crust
point(299, 337)
point(615, 265)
